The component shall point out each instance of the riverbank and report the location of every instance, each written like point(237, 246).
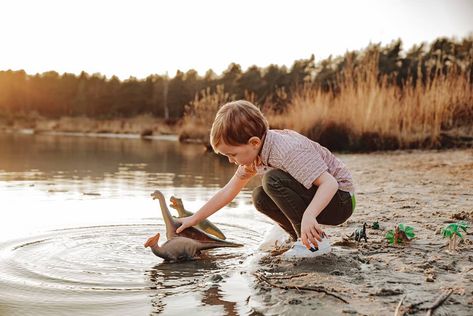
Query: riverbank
point(423, 189)
point(149, 127)
point(141, 126)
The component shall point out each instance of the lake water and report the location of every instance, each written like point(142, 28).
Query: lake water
point(75, 212)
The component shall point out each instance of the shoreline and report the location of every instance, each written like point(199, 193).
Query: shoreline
point(149, 128)
point(31, 131)
point(142, 126)
point(177, 138)
point(174, 135)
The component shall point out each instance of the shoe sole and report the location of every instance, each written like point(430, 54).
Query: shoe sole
point(309, 255)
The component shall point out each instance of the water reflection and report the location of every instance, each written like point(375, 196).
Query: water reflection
point(213, 296)
point(75, 214)
point(138, 162)
point(205, 278)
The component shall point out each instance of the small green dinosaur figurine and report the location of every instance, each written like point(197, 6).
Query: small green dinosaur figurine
point(205, 225)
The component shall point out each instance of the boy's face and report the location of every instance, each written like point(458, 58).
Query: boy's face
point(241, 154)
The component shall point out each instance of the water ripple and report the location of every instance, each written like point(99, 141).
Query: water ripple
point(106, 265)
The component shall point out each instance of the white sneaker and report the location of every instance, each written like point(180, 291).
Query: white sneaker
point(275, 236)
point(298, 250)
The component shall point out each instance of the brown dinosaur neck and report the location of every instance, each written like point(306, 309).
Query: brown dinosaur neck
point(180, 209)
point(171, 225)
point(178, 205)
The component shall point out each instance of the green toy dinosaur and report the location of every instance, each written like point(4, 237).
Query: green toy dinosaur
point(205, 225)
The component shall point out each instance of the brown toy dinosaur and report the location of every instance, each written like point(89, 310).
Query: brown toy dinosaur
point(185, 245)
point(180, 248)
point(400, 236)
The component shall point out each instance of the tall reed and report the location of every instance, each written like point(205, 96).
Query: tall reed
point(199, 114)
point(369, 113)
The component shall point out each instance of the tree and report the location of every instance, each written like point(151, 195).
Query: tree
point(230, 78)
point(251, 81)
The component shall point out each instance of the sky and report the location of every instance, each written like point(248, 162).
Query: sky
point(142, 37)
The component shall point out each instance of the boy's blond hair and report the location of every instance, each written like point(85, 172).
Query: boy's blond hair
point(236, 122)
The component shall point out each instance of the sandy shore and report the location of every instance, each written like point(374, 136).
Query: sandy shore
point(423, 189)
point(142, 125)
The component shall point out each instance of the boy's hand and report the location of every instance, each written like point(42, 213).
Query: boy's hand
point(186, 222)
point(311, 232)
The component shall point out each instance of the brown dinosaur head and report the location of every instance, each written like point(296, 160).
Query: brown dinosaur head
point(157, 195)
point(153, 241)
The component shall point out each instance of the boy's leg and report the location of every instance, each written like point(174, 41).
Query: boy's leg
point(292, 198)
point(265, 205)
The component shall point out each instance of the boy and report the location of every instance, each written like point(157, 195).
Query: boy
point(303, 183)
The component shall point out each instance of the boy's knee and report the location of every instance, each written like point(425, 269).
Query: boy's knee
point(257, 194)
point(272, 178)
point(259, 197)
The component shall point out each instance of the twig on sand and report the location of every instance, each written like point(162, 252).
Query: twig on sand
point(398, 312)
point(439, 301)
point(414, 308)
point(286, 277)
point(402, 282)
point(321, 289)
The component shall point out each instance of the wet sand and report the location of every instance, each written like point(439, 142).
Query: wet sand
point(423, 189)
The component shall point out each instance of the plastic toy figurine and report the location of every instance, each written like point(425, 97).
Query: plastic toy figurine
point(453, 230)
point(360, 233)
point(400, 235)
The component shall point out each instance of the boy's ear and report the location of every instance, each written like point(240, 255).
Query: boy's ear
point(254, 141)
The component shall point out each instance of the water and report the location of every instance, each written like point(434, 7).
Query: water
point(76, 212)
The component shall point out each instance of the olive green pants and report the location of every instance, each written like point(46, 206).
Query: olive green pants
point(283, 199)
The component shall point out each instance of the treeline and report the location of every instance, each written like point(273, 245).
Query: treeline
point(54, 95)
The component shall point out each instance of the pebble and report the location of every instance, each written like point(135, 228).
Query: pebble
point(216, 278)
point(387, 292)
point(337, 272)
point(295, 301)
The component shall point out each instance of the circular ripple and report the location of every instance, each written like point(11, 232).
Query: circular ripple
point(81, 265)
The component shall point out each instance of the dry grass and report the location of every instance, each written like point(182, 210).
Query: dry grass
point(369, 114)
point(366, 113)
point(200, 113)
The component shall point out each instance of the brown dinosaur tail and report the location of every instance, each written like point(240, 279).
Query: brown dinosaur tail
point(210, 245)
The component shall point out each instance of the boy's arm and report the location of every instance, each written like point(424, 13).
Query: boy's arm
point(224, 196)
point(310, 228)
